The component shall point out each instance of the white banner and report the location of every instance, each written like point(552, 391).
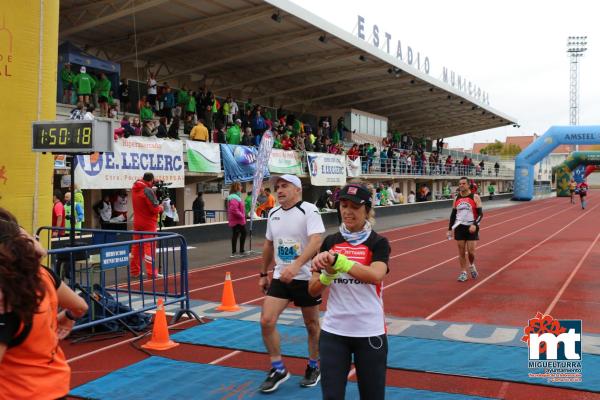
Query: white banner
point(326, 169)
point(203, 157)
point(131, 158)
point(353, 167)
point(285, 162)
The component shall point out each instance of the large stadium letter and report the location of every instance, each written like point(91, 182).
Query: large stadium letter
point(28, 57)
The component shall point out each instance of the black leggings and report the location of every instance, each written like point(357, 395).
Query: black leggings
point(370, 359)
point(238, 230)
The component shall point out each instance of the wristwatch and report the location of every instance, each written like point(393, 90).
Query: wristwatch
point(264, 274)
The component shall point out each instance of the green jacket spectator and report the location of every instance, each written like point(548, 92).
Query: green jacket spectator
point(67, 76)
point(84, 84)
point(182, 97)
point(234, 133)
point(248, 203)
point(491, 189)
point(104, 86)
point(146, 113)
point(191, 104)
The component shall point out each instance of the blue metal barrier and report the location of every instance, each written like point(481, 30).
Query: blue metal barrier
point(99, 267)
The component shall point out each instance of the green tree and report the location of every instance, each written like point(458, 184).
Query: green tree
point(501, 149)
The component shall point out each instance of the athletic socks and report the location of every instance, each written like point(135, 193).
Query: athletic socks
point(278, 365)
point(313, 363)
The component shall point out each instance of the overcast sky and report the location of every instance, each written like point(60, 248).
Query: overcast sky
point(514, 50)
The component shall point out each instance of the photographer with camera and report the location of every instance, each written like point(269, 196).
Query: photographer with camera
point(146, 210)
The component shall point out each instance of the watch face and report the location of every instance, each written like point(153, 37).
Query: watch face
point(63, 136)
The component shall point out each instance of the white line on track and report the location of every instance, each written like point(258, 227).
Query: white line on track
point(387, 286)
point(484, 228)
point(570, 278)
point(471, 289)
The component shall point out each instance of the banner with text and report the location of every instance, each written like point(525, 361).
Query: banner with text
point(239, 163)
point(131, 158)
point(285, 162)
point(203, 157)
point(353, 167)
point(326, 169)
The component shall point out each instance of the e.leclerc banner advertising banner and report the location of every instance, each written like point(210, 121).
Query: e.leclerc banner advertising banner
point(203, 157)
point(131, 158)
point(326, 169)
point(239, 163)
point(285, 162)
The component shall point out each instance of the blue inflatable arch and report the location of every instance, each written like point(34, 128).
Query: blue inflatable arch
point(554, 137)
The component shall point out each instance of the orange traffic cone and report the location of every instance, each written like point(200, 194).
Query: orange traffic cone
point(160, 332)
point(228, 300)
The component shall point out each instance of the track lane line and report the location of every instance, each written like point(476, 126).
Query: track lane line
point(478, 284)
point(571, 276)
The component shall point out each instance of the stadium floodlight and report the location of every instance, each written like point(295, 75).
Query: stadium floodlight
point(576, 46)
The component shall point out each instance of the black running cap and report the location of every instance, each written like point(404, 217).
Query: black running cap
point(358, 194)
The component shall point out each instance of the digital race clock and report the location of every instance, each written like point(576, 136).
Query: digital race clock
point(71, 136)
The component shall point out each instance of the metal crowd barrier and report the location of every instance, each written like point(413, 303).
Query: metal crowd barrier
point(98, 268)
point(209, 216)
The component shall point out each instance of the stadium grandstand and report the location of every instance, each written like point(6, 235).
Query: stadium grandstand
point(318, 88)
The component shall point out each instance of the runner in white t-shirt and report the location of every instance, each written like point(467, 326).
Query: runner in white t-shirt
point(293, 237)
point(353, 263)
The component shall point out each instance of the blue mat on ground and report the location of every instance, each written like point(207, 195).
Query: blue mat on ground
point(440, 356)
point(163, 378)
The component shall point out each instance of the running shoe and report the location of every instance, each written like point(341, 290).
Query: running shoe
point(463, 276)
point(312, 376)
point(473, 271)
point(274, 380)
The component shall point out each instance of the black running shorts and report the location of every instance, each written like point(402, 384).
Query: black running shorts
point(461, 232)
point(296, 291)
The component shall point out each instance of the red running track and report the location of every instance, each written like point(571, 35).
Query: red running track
point(532, 257)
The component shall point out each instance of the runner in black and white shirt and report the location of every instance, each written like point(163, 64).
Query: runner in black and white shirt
point(353, 263)
point(293, 237)
point(466, 215)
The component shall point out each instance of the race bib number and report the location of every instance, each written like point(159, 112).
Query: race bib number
point(288, 250)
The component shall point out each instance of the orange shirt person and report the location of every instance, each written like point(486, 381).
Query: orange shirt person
point(32, 364)
point(267, 205)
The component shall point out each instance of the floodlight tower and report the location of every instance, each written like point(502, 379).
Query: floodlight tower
point(576, 46)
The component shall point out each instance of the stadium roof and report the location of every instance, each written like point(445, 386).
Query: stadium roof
point(275, 52)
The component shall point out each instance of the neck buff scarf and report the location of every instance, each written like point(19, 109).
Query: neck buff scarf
point(356, 238)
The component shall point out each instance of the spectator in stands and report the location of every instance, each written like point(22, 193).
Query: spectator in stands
point(497, 168)
point(31, 360)
point(188, 125)
point(234, 109)
point(286, 143)
point(137, 126)
point(448, 166)
point(190, 106)
point(221, 136)
point(103, 210)
point(248, 138)
point(146, 113)
point(324, 202)
point(258, 126)
point(300, 142)
point(168, 215)
point(67, 76)
point(200, 132)
point(149, 129)
point(68, 207)
point(234, 132)
point(162, 131)
point(353, 152)
point(308, 141)
point(84, 85)
point(198, 209)
point(119, 206)
point(173, 131)
point(236, 219)
point(89, 113)
point(340, 129)
point(387, 141)
point(391, 195)
point(103, 86)
point(396, 139)
point(168, 100)
point(77, 113)
point(248, 105)
point(124, 96)
point(383, 160)
point(411, 197)
point(446, 191)
point(182, 99)
point(215, 107)
point(248, 203)
point(152, 90)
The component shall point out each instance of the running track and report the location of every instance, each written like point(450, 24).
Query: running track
point(535, 256)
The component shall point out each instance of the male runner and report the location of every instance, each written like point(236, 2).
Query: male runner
point(582, 189)
point(572, 187)
point(293, 238)
point(464, 220)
